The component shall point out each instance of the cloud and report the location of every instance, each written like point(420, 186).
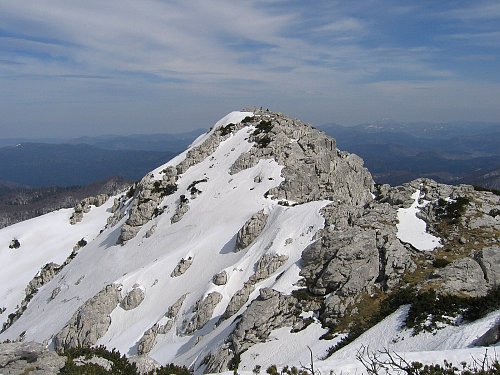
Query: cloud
point(179, 52)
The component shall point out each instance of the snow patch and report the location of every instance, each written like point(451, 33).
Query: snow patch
point(413, 230)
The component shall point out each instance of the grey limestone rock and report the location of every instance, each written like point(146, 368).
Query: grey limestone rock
point(251, 230)
point(270, 311)
point(84, 207)
point(174, 309)
point(43, 276)
point(264, 268)
point(151, 231)
point(356, 253)
point(181, 210)
point(181, 267)
point(238, 300)
point(148, 196)
point(473, 275)
point(133, 298)
point(91, 321)
point(144, 364)
point(148, 340)
point(29, 358)
point(99, 361)
point(313, 168)
point(220, 278)
point(203, 311)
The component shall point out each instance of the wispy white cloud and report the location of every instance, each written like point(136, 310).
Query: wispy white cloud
point(240, 52)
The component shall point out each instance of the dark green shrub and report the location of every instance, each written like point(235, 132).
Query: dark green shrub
point(131, 191)
point(14, 244)
point(225, 130)
point(82, 243)
point(494, 212)
point(264, 126)
point(121, 365)
point(440, 263)
point(480, 306)
point(452, 211)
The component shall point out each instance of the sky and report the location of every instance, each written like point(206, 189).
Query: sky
point(72, 68)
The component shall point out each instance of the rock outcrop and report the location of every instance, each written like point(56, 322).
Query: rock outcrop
point(203, 311)
point(314, 168)
point(251, 230)
point(91, 321)
point(271, 310)
point(266, 266)
point(220, 278)
point(29, 358)
point(84, 207)
point(148, 195)
point(472, 276)
point(133, 298)
point(46, 274)
point(182, 267)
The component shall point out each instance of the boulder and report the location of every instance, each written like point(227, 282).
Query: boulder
point(181, 267)
point(250, 230)
point(203, 311)
point(220, 278)
point(29, 358)
point(91, 321)
point(133, 298)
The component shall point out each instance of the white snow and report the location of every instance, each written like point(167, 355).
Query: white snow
point(44, 239)
point(412, 229)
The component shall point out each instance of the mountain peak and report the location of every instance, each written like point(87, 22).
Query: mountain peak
point(261, 228)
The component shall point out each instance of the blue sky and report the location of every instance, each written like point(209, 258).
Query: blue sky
point(70, 68)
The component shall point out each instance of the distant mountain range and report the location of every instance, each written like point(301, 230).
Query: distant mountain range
point(395, 153)
point(82, 161)
point(453, 153)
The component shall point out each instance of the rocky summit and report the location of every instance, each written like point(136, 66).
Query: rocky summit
point(258, 242)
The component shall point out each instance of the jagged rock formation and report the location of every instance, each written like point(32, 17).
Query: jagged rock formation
point(182, 267)
point(181, 209)
point(266, 266)
point(174, 309)
point(148, 195)
point(29, 358)
point(46, 274)
point(84, 207)
point(220, 278)
point(203, 311)
point(133, 298)
point(314, 168)
point(270, 311)
point(91, 320)
point(251, 230)
point(472, 276)
point(148, 339)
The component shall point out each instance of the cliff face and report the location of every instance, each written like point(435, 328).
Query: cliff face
point(261, 226)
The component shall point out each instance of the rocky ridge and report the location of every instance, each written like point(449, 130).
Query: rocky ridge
point(353, 261)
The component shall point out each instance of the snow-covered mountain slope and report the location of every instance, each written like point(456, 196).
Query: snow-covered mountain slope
point(252, 244)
